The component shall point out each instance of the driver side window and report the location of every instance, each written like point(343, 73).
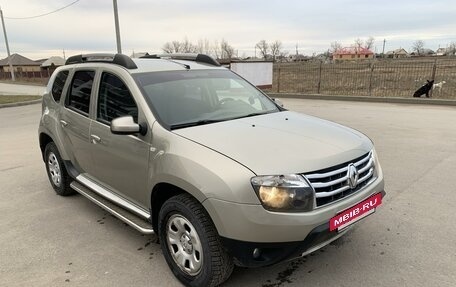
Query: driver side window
point(114, 100)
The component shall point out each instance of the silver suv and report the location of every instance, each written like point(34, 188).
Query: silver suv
point(180, 146)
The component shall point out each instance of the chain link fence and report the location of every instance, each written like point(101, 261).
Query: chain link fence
point(378, 78)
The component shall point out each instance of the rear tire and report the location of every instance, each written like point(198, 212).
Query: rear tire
point(57, 173)
point(191, 244)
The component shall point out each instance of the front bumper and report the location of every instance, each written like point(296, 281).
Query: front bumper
point(251, 254)
point(260, 254)
point(253, 223)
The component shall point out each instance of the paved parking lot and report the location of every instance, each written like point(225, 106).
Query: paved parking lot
point(47, 240)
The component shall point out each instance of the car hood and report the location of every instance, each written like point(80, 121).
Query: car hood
point(281, 143)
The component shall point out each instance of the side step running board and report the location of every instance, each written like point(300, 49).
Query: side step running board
point(131, 219)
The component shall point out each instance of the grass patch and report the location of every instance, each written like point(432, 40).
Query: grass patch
point(17, 99)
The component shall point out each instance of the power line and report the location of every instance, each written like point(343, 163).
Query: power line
point(45, 14)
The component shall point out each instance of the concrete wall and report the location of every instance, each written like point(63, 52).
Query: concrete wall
point(258, 73)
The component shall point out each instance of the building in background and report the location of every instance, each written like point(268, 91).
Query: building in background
point(352, 54)
point(398, 53)
point(52, 63)
point(20, 64)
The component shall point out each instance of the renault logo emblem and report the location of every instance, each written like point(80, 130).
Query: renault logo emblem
point(352, 175)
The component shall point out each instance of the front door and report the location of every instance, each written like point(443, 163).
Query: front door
point(121, 161)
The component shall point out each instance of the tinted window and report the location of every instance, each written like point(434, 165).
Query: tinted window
point(115, 100)
point(57, 87)
point(81, 87)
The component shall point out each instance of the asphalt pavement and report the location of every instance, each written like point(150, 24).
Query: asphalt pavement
point(48, 240)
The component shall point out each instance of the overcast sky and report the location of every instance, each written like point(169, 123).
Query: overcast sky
point(88, 26)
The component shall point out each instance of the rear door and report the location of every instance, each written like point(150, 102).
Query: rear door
point(75, 121)
point(121, 161)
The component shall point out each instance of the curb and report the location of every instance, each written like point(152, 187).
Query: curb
point(18, 104)
point(420, 101)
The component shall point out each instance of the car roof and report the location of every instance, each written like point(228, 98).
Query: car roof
point(148, 63)
point(159, 65)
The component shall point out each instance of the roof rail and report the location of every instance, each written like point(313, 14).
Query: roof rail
point(202, 58)
point(118, 59)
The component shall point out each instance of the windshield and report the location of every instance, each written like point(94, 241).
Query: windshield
point(188, 98)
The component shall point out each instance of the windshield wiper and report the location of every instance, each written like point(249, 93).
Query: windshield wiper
point(250, 115)
point(205, 122)
point(193, 124)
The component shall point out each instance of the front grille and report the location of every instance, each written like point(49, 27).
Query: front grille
point(332, 184)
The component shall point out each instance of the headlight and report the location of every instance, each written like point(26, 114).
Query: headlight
point(284, 192)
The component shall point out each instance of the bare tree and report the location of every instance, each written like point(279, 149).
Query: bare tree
point(227, 50)
point(335, 46)
point(263, 47)
point(358, 43)
point(219, 50)
point(203, 46)
point(283, 56)
point(172, 47)
point(168, 48)
point(276, 47)
point(369, 43)
point(180, 47)
point(418, 47)
point(188, 47)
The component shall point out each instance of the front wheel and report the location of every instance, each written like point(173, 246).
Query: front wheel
point(57, 173)
point(191, 244)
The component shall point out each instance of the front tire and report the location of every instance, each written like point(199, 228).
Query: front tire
point(57, 173)
point(191, 244)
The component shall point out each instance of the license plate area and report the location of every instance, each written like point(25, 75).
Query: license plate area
point(355, 213)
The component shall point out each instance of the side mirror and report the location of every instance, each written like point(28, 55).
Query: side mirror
point(278, 102)
point(125, 126)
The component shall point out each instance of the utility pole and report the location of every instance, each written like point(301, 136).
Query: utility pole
point(383, 51)
point(64, 56)
point(7, 47)
point(116, 20)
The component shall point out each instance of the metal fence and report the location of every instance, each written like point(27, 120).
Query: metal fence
point(377, 78)
point(35, 77)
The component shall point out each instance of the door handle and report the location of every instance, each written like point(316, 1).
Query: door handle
point(63, 123)
point(95, 139)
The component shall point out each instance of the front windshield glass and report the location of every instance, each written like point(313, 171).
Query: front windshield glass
point(187, 98)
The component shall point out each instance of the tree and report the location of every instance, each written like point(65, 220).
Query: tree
point(203, 46)
point(369, 43)
point(216, 51)
point(335, 46)
point(172, 47)
point(283, 56)
point(358, 43)
point(179, 47)
point(188, 47)
point(418, 47)
point(276, 47)
point(227, 50)
point(263, 47)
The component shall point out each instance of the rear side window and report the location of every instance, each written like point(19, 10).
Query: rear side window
point(57, 87)
point(115, 100)
point(80, 89)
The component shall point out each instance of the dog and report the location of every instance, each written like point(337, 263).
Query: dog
point(439, 86)
point(424, 89)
